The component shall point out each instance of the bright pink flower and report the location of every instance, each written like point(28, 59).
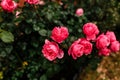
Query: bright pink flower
point(79, 12)
point(51, 51)
point(105, 52)
point(59, 34)
point(102, 41)
point(76, 49)
point(33, 1)
point(8, 5)
point(115, 46)
point(87, 46)
point(90, 30)
point(111, 36)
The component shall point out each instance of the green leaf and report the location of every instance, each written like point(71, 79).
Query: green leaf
point(43, 32)
point(6, 36)
point(43, 77)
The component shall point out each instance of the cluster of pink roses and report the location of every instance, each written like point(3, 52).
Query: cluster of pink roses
point(10, 5)
point(51, 50)
point(105, 43)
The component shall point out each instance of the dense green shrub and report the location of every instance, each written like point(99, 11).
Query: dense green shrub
point(22, 38)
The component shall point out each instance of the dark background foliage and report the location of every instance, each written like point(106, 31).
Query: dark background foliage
point(22, 38)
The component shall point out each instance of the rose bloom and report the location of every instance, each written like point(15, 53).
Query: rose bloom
point(111, 36)
point(115, 46)
point(51, 51)
point(105, 52)
point(8, 5)
point(59, 34)
point(76, 49)
point(79, 12)
point(102, 41)
point(90, 30)
point(87, 46)
point(33, 1)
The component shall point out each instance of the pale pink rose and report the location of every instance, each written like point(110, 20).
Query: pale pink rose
point(8, 5)
point(90, 30)
point(59, 34)
point(104, 52)
point(115, 46)
point(51, 51)
point(33, 1)
point(79, 12)
point(102, 41)
point(87, 46)
point(41, 2)
point(76, 49)
point(111, 36)
point(17, 14)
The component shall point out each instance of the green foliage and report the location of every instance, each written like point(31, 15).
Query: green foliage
point(6, 36)
point(22, 38)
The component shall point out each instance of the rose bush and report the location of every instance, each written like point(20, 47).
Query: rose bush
point(37, 37)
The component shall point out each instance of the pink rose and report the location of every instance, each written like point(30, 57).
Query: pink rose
point(115, 46)
point(111, 36)
point(87, 46)
point(79, 12)
point(59, 34)
point(102, 41)
point(51, 51)
point(33, 1)
point(76, 49)
point(90, 30)
point(105, 52)
point(8, 5)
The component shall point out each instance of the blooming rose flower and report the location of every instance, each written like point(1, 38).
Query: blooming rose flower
point(79, 12)
point(111, 36)
point(51, 51)
point(87, 46)
point(8, 5)
point(105, 51)
point(115, 46)
point(102, 41)
point(76, 49)
point(90, 30)
point(59, 34)
point(33, 1)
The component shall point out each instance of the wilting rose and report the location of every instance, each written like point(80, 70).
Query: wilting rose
point(59, 34)
point(104, 52)
point(90, 30)
point(102, 41)
point(33, 1)
point(79, 12)
point(76, 49)
point(87, 46)
point(111, 36)
point(115, 46)
point(8, 5)
point(51, 51)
